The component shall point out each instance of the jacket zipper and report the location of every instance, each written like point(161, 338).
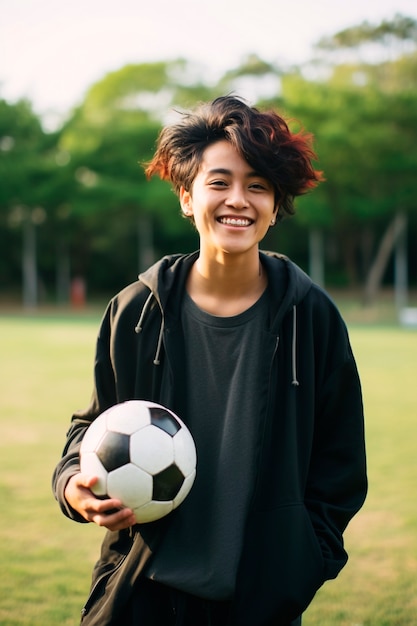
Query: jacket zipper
point(86, 607)
point(265, 420)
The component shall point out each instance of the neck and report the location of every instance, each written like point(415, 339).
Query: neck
point(227, 286)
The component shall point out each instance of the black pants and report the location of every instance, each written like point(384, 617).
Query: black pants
point(153, 604)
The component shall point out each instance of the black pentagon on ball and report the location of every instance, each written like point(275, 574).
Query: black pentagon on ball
point(164, 420)
point(113, 450)
point(166, 484)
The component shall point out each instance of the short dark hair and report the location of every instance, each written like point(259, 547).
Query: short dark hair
point(262, 138)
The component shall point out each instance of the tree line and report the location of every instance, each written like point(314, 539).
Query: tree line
point(75, 205)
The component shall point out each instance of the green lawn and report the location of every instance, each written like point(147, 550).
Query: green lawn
point(46, 560)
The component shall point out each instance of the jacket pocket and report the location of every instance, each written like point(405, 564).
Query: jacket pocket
point(123, 558)
point(114, 552)
point(281, 568)
point(98, 589)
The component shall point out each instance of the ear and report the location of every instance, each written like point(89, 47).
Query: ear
point(274, 215)
point(186, 202)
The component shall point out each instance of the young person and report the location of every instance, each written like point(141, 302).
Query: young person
point(256, 360)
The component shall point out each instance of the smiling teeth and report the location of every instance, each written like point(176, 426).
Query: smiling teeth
point(235, 221)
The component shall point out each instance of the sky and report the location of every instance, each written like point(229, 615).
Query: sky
point(52, 51)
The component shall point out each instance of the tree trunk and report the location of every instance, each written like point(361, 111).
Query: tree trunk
point(29, 265)
point(316, 260)
point(378, 267)
point(349, 247)
point(63, 274)
point(401, 269)
point(146, 253)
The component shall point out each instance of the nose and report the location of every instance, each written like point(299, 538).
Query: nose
point(237, 198)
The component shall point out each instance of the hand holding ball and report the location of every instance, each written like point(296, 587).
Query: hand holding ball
point(142, 454)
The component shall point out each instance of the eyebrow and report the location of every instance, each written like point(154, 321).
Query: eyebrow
point(226, 172)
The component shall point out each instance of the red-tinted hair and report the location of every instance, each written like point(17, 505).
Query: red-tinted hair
point(262, 138)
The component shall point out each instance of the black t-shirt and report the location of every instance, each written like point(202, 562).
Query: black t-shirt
point(225, 399)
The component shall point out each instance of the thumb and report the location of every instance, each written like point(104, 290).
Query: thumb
point(86, 480)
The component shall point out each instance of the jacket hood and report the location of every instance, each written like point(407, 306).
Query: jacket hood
point(297, 285)
point(172, 270)
point(161, 277)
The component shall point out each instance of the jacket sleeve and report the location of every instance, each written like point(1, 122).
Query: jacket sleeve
point(337, 483)
point(122, 371)
point(104, 396)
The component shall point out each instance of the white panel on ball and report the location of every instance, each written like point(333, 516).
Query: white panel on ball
point(131, 485)
point(184, 451)
point(94, 433)
point(153, 511)
point(92, 466)
point(128, 417)
point(152, 449)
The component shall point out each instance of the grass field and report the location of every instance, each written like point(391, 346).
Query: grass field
point(46, 560)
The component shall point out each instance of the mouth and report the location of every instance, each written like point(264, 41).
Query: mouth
point(239, 222)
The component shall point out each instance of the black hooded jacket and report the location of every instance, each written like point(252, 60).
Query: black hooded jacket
point(311, 476)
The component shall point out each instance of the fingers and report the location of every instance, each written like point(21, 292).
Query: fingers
point(109, 512)
point(115, 519)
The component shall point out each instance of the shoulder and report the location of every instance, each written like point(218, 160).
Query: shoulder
point(303, 289)
point(128, 302)
point(157, 279)
point(152, 287)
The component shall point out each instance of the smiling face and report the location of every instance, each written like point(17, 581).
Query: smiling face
point(232, 205)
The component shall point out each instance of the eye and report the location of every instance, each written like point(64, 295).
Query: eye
point(259, 186)
point(217, 183)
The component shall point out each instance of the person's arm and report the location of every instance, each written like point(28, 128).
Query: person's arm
point(337, 482)
point(71, 488)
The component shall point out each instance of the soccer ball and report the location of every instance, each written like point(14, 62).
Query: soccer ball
point(142, 454)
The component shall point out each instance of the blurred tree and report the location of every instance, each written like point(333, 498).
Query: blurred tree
point(255, 79)
point(81, 193)
point(381, 42)
point(108, 138)
point(24, 172)
point(364, 119)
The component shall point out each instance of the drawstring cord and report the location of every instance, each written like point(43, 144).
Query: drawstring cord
point(156, 360)
point(138, 329)
point(295, 382)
